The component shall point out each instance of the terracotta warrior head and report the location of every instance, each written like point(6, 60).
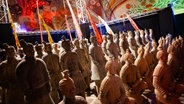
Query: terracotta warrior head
point(110, 67)
point(10, 50)
point(67, 86)
point(93, 40)
point(130, 34)
point(28, 48)
point(162, 56)
point(128, 57)
point(76, 43)
point(110, 37)
point(104, 37)
point(66, 45)
point(140, 51)
point(38, 47)
point(171, 49)
point(47, 47)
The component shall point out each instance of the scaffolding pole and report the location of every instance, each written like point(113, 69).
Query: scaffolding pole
point(4, 11)
point(82, 15)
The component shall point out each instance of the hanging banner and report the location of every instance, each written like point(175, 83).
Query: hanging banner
point(67, 24)
point(17, 43)
point(46, 28)
point(76, 24)
point(95, 29)
point(108, 29)
point(132, 22)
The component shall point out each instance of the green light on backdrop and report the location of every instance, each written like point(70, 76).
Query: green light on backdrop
point(178, 5)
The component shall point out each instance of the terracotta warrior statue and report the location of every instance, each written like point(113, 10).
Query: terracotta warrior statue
point(151, 35)
point(113, 50)
point(112, 90)
point(151, 62)
point(52, 62)
point(181, 59)
point(161, 44)
point(154, 50)
point(143, 67)
point(98, 61)
point(147, 38)
point(20, 53)
point(70, 60)
point(173, 62)
point(33, 76)
point(166, 89)
point(9, 80)
point(177, 48)
point(38, 50)
point(132, 43)
point(123, 43)
point(181, 48)
point(84, 63)
point(104, 37)
point(142, 35)
point(68, 89)
point(85, 45)
point(132, 81)
point(55, 49)
point(168, 40)
point(138, 38)
point(116, 39)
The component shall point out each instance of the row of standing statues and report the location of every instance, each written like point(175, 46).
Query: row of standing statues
point(124, 68)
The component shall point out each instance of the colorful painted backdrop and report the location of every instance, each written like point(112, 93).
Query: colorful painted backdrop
point(24, 11)
point(135, 7)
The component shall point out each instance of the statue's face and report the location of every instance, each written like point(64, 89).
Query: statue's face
point(151, 31)
point(93, 40)
point(66, 45)
point(141, 32)
point(76, 43)
point(130, 33)
point(140, 50)
point(11, 52)
point(29, 51)
point(48, 48)
point(104, 37)
point(136, 32)
point(161, 56)
point(110, 37)
point(55, 46)
point(131, 58)
point(38, 48)
point(20, 52)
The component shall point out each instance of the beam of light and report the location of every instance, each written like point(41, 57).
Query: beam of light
point(19, 28)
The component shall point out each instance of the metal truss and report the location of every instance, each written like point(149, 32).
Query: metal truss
point(82, 14)
point(4, 11)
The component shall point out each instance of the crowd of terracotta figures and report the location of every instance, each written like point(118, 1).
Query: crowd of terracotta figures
point(124, 67)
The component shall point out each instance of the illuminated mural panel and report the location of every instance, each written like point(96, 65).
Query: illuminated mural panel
point(135, 7)
point(24, 11)
point(178, 5)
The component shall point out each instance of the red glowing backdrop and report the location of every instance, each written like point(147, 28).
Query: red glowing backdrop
point(25, 13)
